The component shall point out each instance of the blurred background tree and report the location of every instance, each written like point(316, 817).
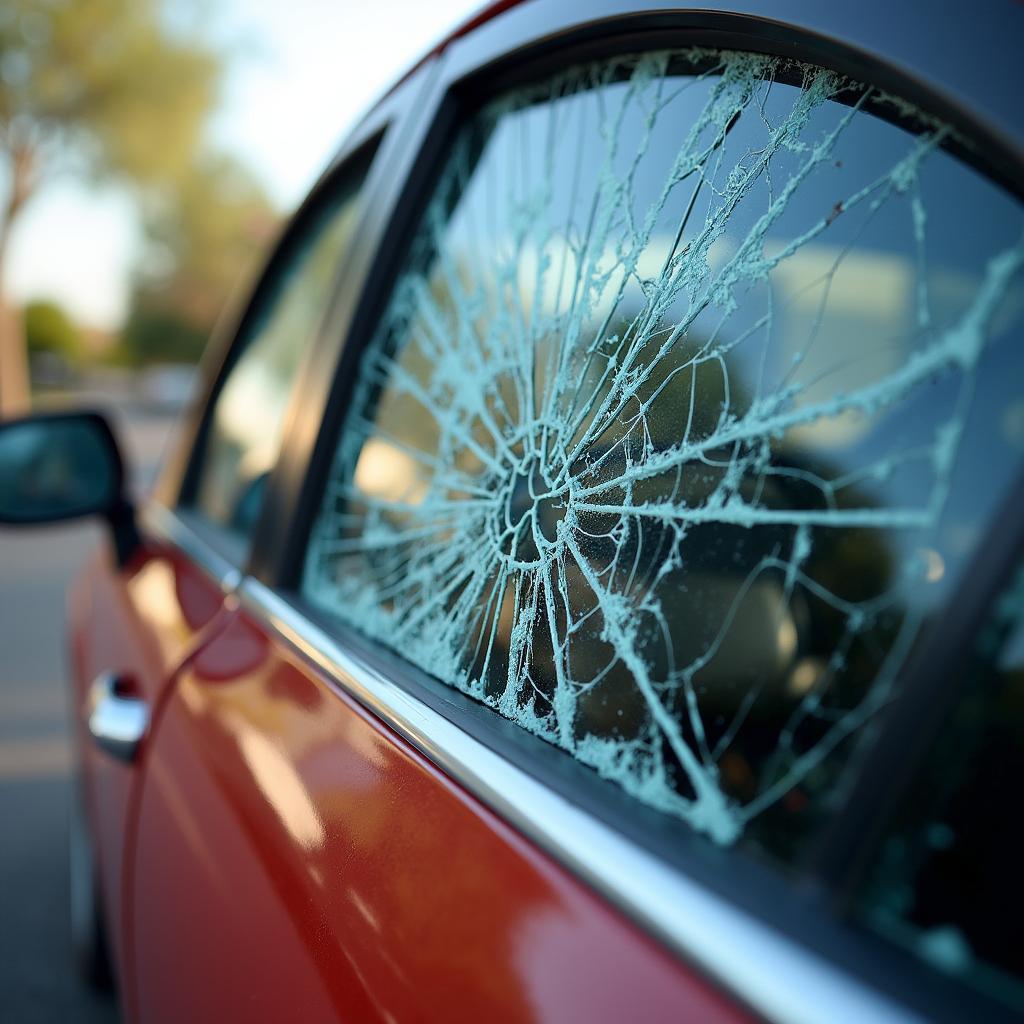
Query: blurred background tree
point(54, 342)
point(203, 234)
point(109, 87)
point(49, 329)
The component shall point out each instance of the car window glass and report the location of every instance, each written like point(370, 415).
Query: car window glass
point(687, 412)
point(945, 881)
point(244, 430)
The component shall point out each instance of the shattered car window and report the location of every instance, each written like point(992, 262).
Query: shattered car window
point(687, 410)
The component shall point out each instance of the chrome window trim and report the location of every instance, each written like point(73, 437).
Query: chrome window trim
point(776, 977)
point(167, 526)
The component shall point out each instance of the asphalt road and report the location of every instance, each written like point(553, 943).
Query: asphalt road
point(36, 979)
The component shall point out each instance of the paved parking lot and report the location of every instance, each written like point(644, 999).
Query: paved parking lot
point(36, 980)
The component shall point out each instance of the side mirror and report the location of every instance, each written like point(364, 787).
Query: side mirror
point(60, 466)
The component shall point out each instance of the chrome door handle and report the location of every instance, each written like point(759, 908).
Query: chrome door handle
point(116, 722)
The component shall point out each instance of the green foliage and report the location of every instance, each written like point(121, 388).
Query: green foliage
point(206, 236)
point(156, 334)
point(106, 80)
point(114, 88)
point(49, 329)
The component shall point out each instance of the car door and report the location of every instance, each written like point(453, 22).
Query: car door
point(227, 460)
point(131, 629)
point(563, 636)
point(292, 857)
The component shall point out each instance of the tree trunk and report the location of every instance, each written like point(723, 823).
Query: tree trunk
point(15, 398)
point(14, 386)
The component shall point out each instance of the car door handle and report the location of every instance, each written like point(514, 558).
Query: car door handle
point(117, 721)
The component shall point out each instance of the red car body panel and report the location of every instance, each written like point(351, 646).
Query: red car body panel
point(291, 858)
point(140, 624)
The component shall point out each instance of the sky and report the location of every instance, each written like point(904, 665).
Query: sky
point(301, 73)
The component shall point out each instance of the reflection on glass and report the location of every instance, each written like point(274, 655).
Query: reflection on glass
point(387, 473)
point(699, 375)
point(55, 468)
point(946, 879)
point(245, 430)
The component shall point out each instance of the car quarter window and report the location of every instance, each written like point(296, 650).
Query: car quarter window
point(686, 416)
point(243, 433)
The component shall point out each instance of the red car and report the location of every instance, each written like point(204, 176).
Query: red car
point(590, 588)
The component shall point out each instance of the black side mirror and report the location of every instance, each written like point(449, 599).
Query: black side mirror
point(60, 466)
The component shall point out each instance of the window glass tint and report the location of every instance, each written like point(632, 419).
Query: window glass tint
point(689, 409)
point(244, 431)
point(946, 881)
